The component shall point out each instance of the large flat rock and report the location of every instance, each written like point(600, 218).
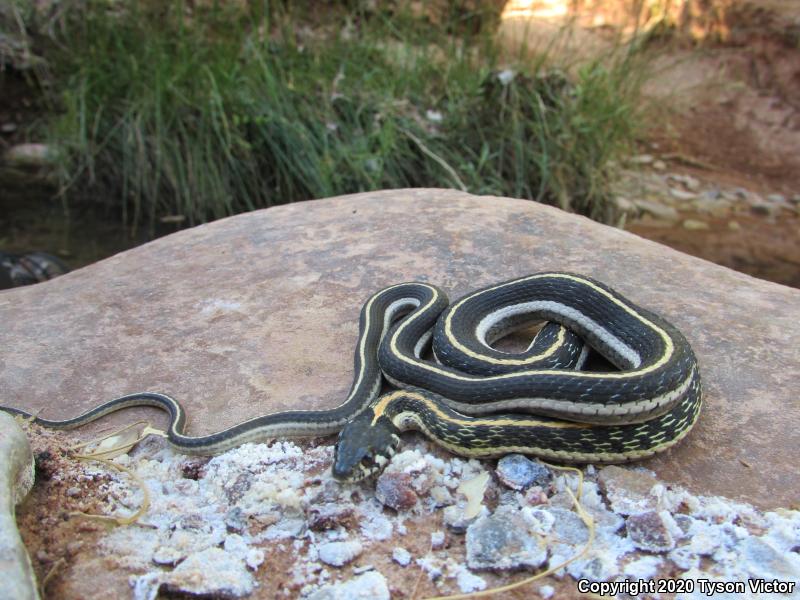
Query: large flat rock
point(259, 312)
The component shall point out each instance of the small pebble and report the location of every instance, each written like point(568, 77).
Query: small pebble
point(641, 159)
point(624, 205)
point(546, 591)
point(30, 155)
point(628, 491)
point(535, 495)
point(695, 225)
point(568, 527)
point(456, 519)
point(519, 472)
point(433, 115)
point(765, 209)
point(235, 521)
point(648, 531)
point(502, 541)
point(338, 554)
point(330, 516)
point(43, 556)
point(370, 585)
point(73, 491)
point(468, 582)
point(658, 210)
point(401, 556)
point(682, 195)
point(395, 490)
point(437, 539)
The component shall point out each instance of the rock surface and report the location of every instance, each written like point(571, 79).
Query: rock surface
point(16, 479)
point(259, 312)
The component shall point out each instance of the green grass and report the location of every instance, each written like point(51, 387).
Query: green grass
point(222, 112)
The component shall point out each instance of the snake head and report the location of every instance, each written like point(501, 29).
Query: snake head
point(364, 448)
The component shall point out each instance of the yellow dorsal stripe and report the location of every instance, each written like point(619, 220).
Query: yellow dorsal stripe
point(432, 368)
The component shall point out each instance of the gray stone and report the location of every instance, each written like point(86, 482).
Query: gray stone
point(30, 155)
point(717, 208)
point(641, 159)
point(401, 556)
point(624, 205)
point(682, 195)
point(502, 541)
point(568, 527)
point(761, 559)
point(229, 577)
point(519, 472)
point(690, 183)
point(658, 210)
point(766, 209)
point(695, 224)
point(16, 479)
point(395, 490)
point(456, 519)
point(338, 554)
point(648, 531)
point(628, 491)
point(369, 586)
point(255, 313)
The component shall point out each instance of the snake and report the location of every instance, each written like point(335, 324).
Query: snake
point(448, 381)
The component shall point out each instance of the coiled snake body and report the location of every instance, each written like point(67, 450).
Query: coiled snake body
point(478, 401)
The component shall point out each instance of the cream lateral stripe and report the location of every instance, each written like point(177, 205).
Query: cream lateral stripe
point(480, 333)
point(424, 339)
point(527, 307)
point(362, 343)
point(669, 346)
point(380, 408)
point(448, 326)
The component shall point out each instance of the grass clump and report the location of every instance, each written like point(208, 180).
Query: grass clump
point(210, 112)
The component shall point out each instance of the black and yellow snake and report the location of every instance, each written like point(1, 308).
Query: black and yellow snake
point(478, 401)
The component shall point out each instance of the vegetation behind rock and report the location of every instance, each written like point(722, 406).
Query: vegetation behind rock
point(200, 111)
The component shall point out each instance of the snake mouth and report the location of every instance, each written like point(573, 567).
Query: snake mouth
point(364, 449)
point(364, 469)
point(370, 464)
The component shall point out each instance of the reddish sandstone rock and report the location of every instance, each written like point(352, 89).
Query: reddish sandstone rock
point(259, 312)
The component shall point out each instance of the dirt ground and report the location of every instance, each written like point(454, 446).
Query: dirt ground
point(732, 112)
point(724, 104)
